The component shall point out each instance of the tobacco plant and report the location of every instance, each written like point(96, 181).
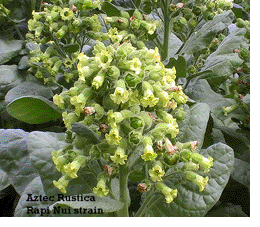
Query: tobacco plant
point(109, 78)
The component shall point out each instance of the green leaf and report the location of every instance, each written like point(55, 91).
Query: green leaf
point(203, 37)
point(14, 158)
point(9, 77)
point(33, 110)
point(227, 210)
point(4, 180)
point(26, 89)
point(113, 10)
point(71, 48)
point(106, 204)
point(200, 91)
point(86, 132)
point(241, 172)
point(23, 63)
point(190, 202)
point(223, 61)
point(193, 127)
point(180, 66)
point(39, 207)
point(41, 145)
point(9, 49)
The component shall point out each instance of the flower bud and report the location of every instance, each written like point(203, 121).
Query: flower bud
point(170, 194)
point(132, 80)
point(244, 54)
point(180, 114)
point(98, 80)
point(125, 14)
point(113, 72)
point(137, 14)
point(185, 155)
point(190, 166)
point(192, 23)
point(108, 170)
point(171, 158)
point(136, 122)
point(61, 32)
point(210, 5)
point(141, 187)
point(135, 137)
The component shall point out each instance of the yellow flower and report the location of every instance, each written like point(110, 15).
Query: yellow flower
point(66, 14)
point(69, 119)
point(79, 102)
point(200, 181)
point(206, 163)
point(149, 154)
point(119, 157)
point(59, 101)
point(156, 173)
point(113, 138)
point(121, 94)
point(169, 193)
point(61, 184)
point(101, 189)
point(149, 99)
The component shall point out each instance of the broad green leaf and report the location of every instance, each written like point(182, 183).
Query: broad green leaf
point(41, 145)
point(241, 172)
point(193, 127)
point(9, 77)
point(190, 202)
point(23, 63)
point(4, 180)
point(9, 49)
point(113, 10)
point(203, 37)
point(86, 132)
point(200, 91)
point(14, 158)
point(227, 210)
point(33, 109)
point(106, 204)
point(223, 61)
point(26, 89)
point(180, 66)
point(115, 189)
point(28, 208)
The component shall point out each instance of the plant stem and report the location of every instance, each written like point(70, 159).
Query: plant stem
point(123, 180)
point(166, 30)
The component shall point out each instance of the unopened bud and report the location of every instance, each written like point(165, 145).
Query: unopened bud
point(141, 187)
point(89, 111)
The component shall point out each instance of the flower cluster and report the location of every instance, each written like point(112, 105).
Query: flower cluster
point(187, 17)
point(131, 92)
point(120, 92)
point(68, 162)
